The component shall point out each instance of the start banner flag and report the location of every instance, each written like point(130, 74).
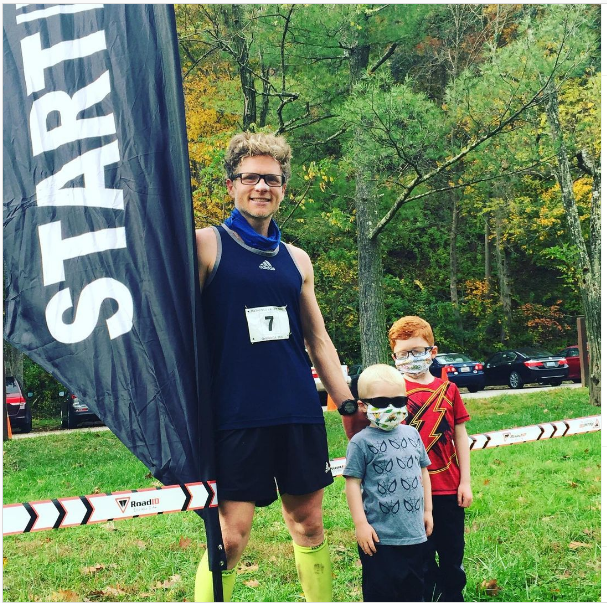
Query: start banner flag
point(99, 248)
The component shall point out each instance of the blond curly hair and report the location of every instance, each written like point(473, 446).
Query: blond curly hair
point(252, 144)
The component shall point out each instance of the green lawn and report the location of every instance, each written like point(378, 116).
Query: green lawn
point(533, 530)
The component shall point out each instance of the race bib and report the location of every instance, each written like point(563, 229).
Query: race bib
point(268, 323)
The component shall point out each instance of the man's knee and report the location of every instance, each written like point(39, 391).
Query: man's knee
point(303, 516)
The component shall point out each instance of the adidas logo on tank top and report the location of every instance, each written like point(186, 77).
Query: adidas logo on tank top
point(265, 265)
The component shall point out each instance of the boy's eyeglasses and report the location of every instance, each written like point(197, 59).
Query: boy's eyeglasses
point(251, 178)
point(383, 402)
point(416, 353)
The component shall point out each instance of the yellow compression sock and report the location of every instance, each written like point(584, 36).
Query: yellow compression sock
point(203, 589)
point(314, 571)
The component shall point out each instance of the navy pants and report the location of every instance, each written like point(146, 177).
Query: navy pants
point(394, 573)
point(445, 580)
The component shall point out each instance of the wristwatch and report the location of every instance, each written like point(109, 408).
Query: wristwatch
point(348, 407)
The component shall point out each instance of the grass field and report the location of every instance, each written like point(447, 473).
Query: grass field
point(533, 530)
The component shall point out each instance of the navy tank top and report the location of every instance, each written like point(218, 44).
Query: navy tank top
point(257, 381)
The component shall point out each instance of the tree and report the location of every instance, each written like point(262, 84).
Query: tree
point(588, 258)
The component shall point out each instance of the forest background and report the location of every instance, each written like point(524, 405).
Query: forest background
point(446, 162)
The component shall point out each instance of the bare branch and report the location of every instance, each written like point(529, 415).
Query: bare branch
point(384, 58)
point(297, 204)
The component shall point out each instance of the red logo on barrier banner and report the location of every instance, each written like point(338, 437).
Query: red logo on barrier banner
point(123, 503)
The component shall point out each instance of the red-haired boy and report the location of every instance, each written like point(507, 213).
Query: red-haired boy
point(436, 410)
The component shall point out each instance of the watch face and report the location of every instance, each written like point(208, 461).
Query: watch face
point(348, 407)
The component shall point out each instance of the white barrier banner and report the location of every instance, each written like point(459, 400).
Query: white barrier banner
point(94, 508)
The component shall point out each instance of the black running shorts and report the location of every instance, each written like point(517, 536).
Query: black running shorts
point(252, 463)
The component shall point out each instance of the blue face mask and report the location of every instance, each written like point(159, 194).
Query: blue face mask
point(238, 224)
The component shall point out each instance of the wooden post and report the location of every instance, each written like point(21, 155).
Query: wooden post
point(582, 344)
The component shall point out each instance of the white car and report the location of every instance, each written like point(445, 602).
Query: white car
point(320, 387)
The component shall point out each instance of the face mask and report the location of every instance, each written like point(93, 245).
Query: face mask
point(386, 418)
point(414, 366)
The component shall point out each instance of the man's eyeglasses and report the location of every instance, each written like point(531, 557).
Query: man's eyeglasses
point(383, 402)
point(251, 178)
point(416, 353)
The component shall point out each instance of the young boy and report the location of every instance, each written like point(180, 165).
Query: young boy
point(393, 514)
point(436, 410)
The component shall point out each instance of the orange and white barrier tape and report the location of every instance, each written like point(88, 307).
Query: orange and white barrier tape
point(95, 508)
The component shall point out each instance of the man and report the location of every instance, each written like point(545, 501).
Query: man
point(259, 302)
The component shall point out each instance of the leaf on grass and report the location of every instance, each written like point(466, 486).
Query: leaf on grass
point(252, 583)
point(574, 545)
point(247, 567)
point(486, 482)
point(140, 544)
point(113, 591)
point(169, 582)
point(490, 587)
point(573, 485)
point(92, 569)
point(109, 526)
point(65, 595)
point(149, 476)
point(4, 561)
point(588, 531)
point(566, 574)
point(97, 490)
point(184, 543)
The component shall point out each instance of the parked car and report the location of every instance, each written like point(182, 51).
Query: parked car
point(517, 367)
point(74, 411)
point(355, 370)
point(17, 407)
point(320, 388)
point(572, 354)
point(461, 369)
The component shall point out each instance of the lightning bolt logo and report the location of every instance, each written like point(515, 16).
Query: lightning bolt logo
point(436, 413)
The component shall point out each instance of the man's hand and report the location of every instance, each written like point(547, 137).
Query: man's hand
point(464, 495)
point(428, 522)
point(366, 537)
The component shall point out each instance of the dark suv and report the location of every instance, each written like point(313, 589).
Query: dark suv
point(74, 411)
point(18, 408)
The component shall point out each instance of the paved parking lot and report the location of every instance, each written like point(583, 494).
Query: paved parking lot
point(486, 393)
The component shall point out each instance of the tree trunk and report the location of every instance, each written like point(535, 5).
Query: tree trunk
point(588, 265)
point(487, 257)
point(13, 362)
point(233, 18)
point(373, 336)
point(453, 265)
point(372, 312)
point(503, 272)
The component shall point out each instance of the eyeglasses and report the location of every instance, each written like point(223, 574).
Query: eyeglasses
point(383, 402)
point(251, 178)
point(416, 353)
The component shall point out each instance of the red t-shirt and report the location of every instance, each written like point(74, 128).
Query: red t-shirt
point(434, 410)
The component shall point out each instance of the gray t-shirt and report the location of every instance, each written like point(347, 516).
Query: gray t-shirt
point(389, 464)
